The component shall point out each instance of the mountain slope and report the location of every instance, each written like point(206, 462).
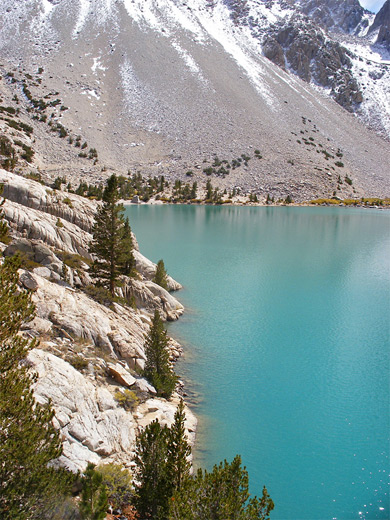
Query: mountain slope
point(162, 86)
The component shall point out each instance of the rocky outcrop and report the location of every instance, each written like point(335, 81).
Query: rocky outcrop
point(149, 296)
point(382, 25)
point(120, 332)
point(92, 424)
point(31, 194)
point(148, 269)
point(94, 427)
point(91, 351)
point(336, 15)
point(53, 231)
point(303, 48)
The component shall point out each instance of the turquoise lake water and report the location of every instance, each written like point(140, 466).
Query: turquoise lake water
point(286, 333)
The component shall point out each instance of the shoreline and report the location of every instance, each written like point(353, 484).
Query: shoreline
point(346, 203)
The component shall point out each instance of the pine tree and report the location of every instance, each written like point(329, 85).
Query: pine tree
point(4, 231)
point(194, 190)
point(112, 242)
point(157, 368)
point(28, 440)
point(221, 495)
point(94, 502)
point(153, 486)
point(127, 261)
point(160, 278)
point(209, 190)
point(179, 450)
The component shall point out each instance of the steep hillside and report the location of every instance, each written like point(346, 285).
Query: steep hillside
point(163, 87)
point(91, 351)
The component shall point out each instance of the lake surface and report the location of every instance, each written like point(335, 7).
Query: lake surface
point(286, 334)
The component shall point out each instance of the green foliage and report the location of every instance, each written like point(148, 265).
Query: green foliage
point(28, 440)
point(8, 152)
point(157, 368)
point(153, 486)
point(126, 259)
point(128, 399)
point(68, 202)
point(348, 180)
point(179, 450)
point(162, 465)
point(4, 230)
point(18, 125)
point(221, 495)
point(99, 294)
point(160, 277)
point(58, 181)
point(112, 241)
point(77, 362)
point(94, 502)
point(118, 482)
point(72, 260)
point(8, 110)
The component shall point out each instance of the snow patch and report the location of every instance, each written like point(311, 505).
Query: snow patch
point(219, 27)
point(97, 65)
point(47, 7)
point(189, 61)
point(82, 16)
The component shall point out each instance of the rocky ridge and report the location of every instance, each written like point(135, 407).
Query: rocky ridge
point(381, 25)
point(88, 352)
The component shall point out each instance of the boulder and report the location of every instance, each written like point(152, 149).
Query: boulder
point(28, 281)
point(120, 374)
point(44, 272)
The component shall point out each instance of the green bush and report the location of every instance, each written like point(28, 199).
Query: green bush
point(99, 294)
point(127, 399)
point(77, 362)
point(72, 260)
point(68, 202)
point(118, 482)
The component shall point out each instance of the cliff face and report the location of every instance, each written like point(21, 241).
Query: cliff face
point(88, 352)
point(382, 25)
point(303, 48)
point(345, 16)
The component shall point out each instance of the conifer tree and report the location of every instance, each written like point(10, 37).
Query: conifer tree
point(112, 243)
point(94, 502)
point(157, 368)
point(221, 494)
point(179, 450)
point(153, 486)
point(194, 190)
point(127, 261)
point(4, 231)
point(160, 277)
point(28, 440)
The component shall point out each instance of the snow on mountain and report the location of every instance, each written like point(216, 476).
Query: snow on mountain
point(165, 84)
